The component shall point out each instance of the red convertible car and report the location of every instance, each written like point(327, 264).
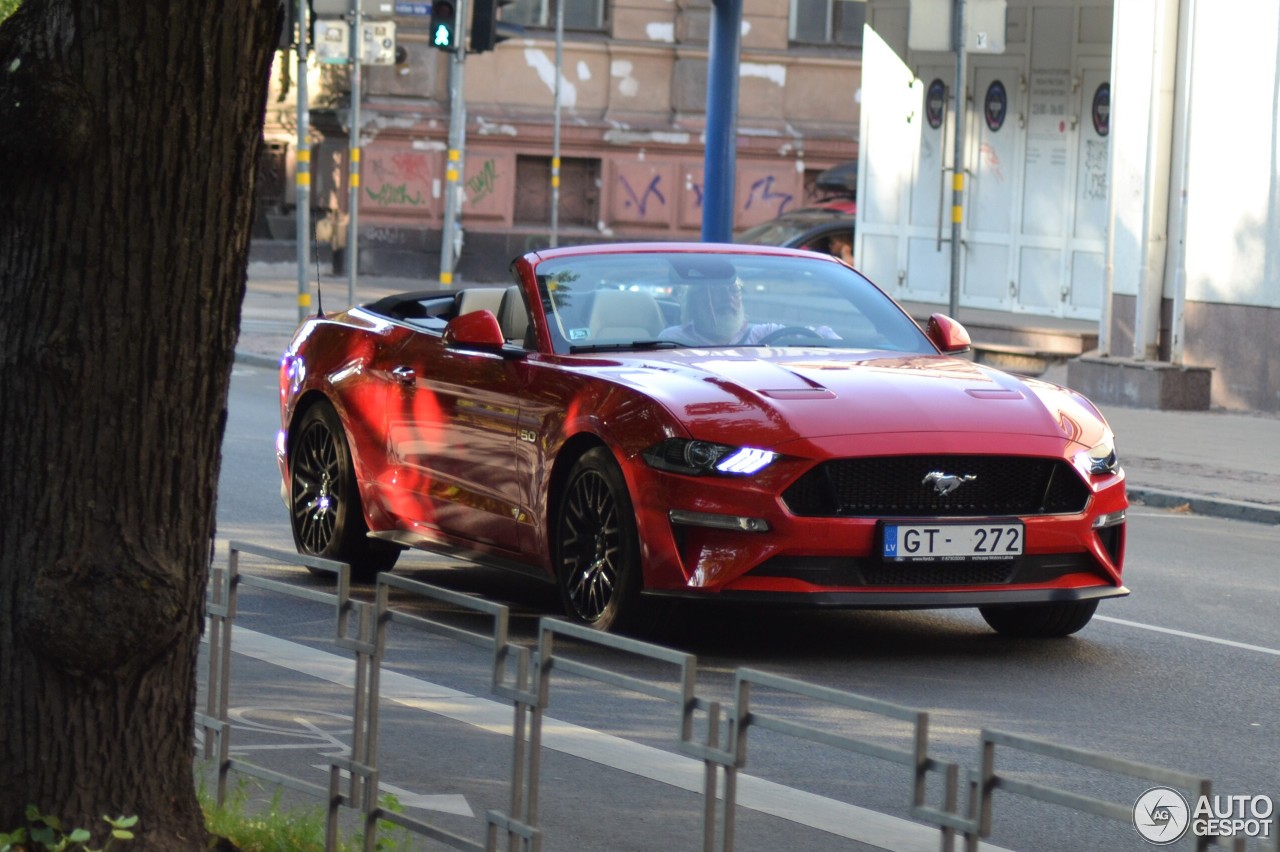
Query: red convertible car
point(701, 421)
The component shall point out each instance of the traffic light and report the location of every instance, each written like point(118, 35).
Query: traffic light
point(444, 25)
point(486, 29)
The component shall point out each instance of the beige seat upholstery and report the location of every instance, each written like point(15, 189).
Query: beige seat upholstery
point(513, 317)
point(624, 315)
point(479, 299)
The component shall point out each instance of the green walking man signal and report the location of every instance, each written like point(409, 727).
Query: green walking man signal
point(444, 21)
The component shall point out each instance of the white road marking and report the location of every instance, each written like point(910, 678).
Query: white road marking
point(830, 815)
point(1230, 643)
point(449, 803)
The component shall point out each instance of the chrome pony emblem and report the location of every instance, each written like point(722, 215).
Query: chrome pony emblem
point(945, 483)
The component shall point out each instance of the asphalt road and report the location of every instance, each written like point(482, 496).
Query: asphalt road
point(1185, 674)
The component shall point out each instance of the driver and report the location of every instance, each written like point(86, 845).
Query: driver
point(717, 318)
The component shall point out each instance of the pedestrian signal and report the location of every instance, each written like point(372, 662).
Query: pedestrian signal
point(444, 21)
point(487, 30)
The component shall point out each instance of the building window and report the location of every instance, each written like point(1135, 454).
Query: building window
point(579, 191)
point(578, 14)
point(831, 22)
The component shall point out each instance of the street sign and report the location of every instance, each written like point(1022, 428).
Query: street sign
point(342, 8)
point(929, 25)
point(422, 10)
point(379, 42)
point(333, 41)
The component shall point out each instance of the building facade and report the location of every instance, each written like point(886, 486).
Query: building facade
point(633, 101)
point(1036, 140)
point(1121, 166)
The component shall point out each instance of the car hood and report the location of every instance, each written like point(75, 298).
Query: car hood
point(777, 396)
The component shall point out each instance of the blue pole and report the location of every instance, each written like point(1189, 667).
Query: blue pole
point(720, 161)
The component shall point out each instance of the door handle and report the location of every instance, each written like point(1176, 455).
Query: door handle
point(404, 375)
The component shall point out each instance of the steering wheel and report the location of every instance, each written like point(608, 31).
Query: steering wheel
point(788, 331)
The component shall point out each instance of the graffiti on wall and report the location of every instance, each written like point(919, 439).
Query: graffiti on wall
point(1095, 169)
point(671, 194)
point(989, 161)
point(389, 194)
point(398, 180)
point(640, 201)
point(763, 197)
point(696, 187)
point(412, 167)
point(763, 192)
point(481, 184)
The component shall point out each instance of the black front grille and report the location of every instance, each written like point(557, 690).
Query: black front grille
point(896, 486)
point(862, 571)
point(962, 573)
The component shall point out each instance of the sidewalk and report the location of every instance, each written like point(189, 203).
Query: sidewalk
point(1213, 463)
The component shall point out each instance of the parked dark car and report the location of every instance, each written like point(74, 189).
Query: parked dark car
point(826, 227)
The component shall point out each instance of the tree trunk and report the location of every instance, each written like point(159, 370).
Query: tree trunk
point(129, 134)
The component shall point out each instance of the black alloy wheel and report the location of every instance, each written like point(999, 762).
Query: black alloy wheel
point(324, 500)
point(596, 553)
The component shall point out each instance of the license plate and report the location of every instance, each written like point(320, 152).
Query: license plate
point(939, 542)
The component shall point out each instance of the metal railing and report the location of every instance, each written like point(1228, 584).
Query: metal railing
point(743, 719)
point(222, 605)
point(987, 780)
point(524, 676)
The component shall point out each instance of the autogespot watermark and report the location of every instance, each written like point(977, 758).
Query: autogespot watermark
point(1162, 816)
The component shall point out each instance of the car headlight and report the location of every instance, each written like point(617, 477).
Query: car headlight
point(1099, 459)
point(681, 455)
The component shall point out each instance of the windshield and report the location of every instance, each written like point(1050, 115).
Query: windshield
point(652, 300)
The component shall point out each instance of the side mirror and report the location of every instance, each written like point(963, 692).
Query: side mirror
point(477, 330)
point(947, 334)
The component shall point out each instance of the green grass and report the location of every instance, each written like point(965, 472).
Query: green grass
point(274, 828)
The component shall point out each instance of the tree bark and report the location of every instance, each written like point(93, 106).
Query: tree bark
point(129, 135)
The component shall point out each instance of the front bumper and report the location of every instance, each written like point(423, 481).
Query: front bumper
point(774, 555)
point(913, 599)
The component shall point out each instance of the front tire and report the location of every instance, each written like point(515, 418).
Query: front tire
point(595, 548)
point(324, 499)
point(1039, 621)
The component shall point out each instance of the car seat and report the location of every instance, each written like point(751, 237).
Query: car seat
point(624, 315)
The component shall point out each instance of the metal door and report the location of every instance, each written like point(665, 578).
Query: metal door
point(1047, 161)
point(1088, 245)
point(928, 277)
point(893, 128)
point(994, 143)
point(579, 191)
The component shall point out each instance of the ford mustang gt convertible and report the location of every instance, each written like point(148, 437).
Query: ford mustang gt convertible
point(725, 422)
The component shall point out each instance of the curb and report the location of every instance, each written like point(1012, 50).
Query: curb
point(1238, 510)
